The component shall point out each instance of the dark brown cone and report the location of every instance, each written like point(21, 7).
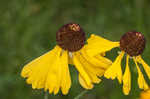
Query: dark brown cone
point(71, 37)
point(133, 43)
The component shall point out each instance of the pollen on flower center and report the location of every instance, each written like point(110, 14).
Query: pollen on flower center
point(71, 37)
point(133, 43)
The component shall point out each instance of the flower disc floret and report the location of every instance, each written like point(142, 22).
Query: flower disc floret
point(71, 37)
point(133, 43)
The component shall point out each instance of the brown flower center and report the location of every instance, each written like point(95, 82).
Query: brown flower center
point(71, 37)
point(133, 43)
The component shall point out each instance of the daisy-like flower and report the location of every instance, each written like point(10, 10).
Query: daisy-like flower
point(145, 94)
point(51, 72)
point(132, 44)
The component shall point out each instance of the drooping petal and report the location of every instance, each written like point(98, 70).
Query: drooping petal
point(97, 45)
point(115, 69)
point(127, 78)
point(145, 66)
point(53, 77)
point(82, 71)
point(93, 68)
point(65, 74)
point(141, 81)
point(36, 71)
point(97, 61)
point(90, 68)
point(59, 76)
point(50, 71)
point(104, 60)
point(83, 83)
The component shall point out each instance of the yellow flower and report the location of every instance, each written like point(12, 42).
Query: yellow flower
point(51, 72)
point(145, 94)
point(132, 44)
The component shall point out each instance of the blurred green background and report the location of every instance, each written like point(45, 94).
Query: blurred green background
point(28, 29)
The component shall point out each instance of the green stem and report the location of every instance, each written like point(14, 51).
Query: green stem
point(81, 94)
point(46, 95)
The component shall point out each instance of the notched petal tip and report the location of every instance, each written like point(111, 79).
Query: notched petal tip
point(47, 71)
point(115, 71)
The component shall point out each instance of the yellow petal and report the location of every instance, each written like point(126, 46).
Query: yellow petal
point(27, 69)
point(54, 76)
point(97, 61)
point(59, 76)
point(127, 78)
point(81, 70)
point(104, 60)
point(91, 70)
point(145, 94)
point(83, 83)
point(97, 45)
point(36, 71)
point(66, 80)
point(141, 81)
point(115, 69)
point(145, 66)
point(50, 71)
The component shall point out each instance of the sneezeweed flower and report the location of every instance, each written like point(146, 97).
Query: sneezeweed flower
point(145, 94)
point(51, 72)
point(132, 44)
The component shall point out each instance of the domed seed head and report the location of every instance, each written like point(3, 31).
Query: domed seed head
point(133, 43)
point(71, 37)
